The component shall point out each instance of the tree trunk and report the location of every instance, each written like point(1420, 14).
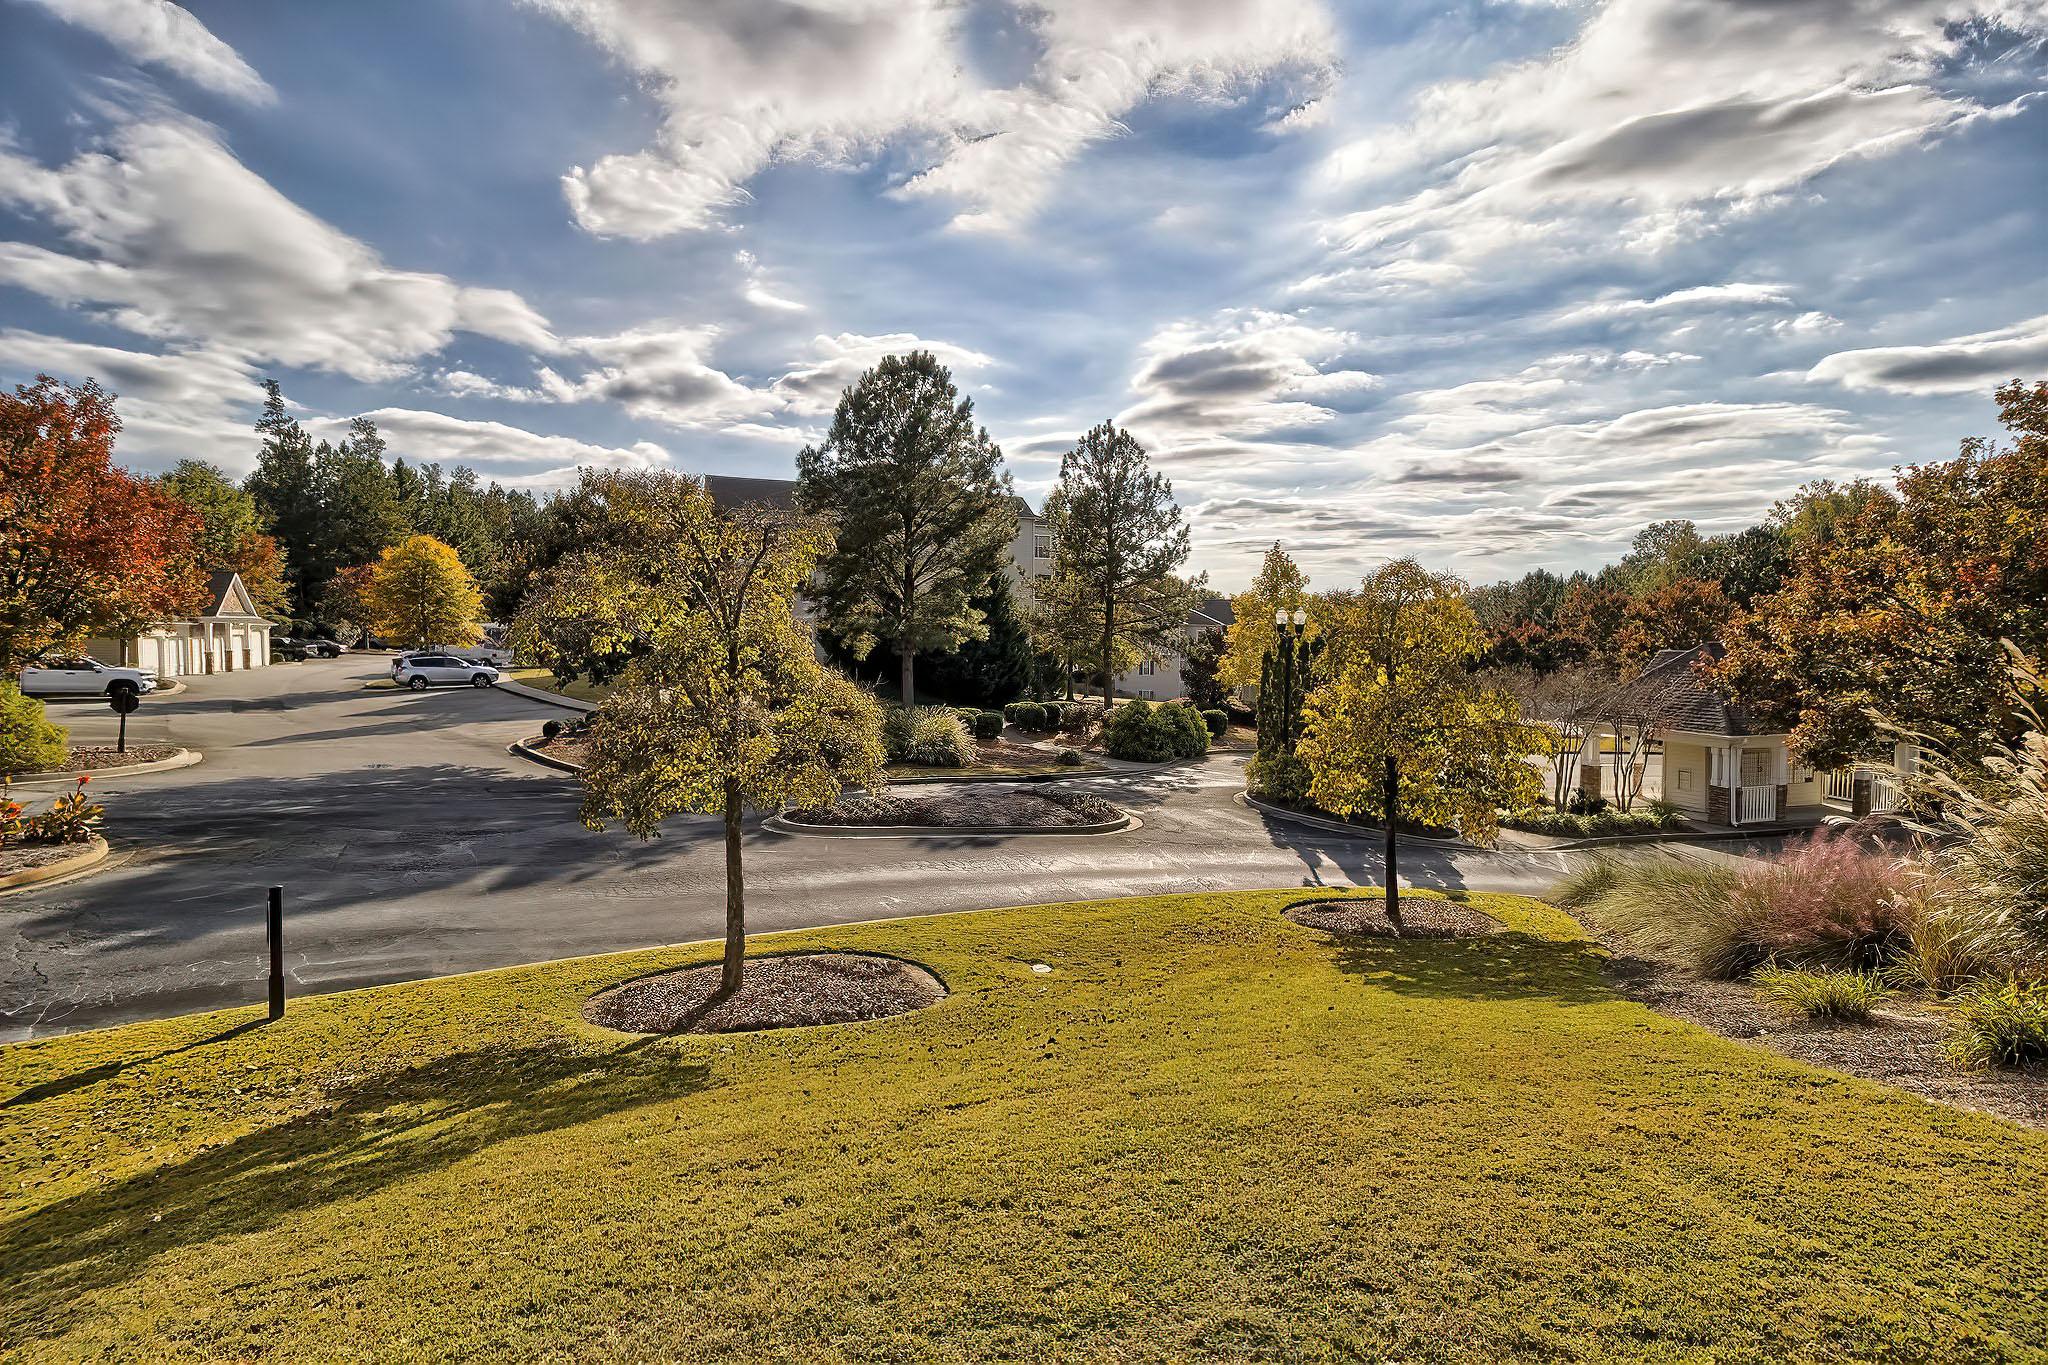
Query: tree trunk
point(909, 676)
point(735, 896)
point(1393, 805)
point(1108, 656)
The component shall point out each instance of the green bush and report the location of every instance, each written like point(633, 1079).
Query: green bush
point(1217, 722)
point(1069, 758)
point(28, 740)
point(1029, 715)
point(2001, 1023)
point(1182, 725)
point(927, 737)
point(1827, 997)
point(1129, 734)
point(988, 725)
point(1278, 777)
point(1600, 823)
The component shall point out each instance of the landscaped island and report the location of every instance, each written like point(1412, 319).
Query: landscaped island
point(1202, 1131)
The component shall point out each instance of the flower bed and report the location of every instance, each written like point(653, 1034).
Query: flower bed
point(1028, 807)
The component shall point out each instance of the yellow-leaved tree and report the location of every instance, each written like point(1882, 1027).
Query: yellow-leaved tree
point(419, 594)
point(1400, 730)
point(1279, 585)
point(723, 706)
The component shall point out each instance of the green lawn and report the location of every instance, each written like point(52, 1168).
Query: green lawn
point(544, 680)
point(1206, 1133)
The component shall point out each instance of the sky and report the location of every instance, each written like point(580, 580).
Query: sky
point(1494, 283)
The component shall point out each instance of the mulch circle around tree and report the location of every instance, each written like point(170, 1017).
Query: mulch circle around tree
point(1420, 918)
point(791, 991)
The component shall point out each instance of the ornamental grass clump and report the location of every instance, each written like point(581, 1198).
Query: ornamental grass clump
point(2000, 1023)
point(926, 737)
point(1825, 997)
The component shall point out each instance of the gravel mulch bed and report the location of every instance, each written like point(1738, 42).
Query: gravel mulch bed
point(84, 758)
point(776, 992)
point(1021, 807)
point(1902, 1046)
point(569, 748)
point(22, 857)
point(1420, 918)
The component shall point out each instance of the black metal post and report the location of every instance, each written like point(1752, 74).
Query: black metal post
point(1393, 798)
point(275, 924)
point(1286, 692)
point(121, 744)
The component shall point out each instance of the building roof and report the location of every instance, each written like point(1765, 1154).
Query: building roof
point(226, 596)
point(1024, 512)
point(1670, 693)
point(733, 490)
point(1212, 611)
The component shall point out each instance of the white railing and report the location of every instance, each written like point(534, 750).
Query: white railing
point(1884, 788)
point(1754, 805)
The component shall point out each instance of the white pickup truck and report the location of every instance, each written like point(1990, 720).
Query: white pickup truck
point(84, 678)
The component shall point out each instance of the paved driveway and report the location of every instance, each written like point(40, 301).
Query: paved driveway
point(410, 844)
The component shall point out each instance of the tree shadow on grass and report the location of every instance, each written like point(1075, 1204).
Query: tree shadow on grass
point(1506, 966)
point(106, 1071)
point(373, 1132)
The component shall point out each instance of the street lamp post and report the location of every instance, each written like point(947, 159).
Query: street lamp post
point(1293, 659)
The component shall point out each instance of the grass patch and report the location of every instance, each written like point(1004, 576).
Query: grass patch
point(1826, 997)
point(1207, 1132)
point(2001, 1023)
point(545, 681)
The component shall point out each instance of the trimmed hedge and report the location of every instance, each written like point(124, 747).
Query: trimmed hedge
point(1030, 715)
point(1564, 824)
point(988, 725)
point(1217, 722)
point(28, 740)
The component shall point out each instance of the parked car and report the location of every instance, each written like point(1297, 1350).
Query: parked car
point(84, 678)
point(421, 671)
point(496, 656)
point(288, 648)
point(324, 649)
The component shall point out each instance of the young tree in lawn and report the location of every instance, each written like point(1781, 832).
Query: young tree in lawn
point(85, 549)
point(921, 507)
point(230, 532)
point(724, 706)
point(1119, 535)
point(1403, 729)
point(1279, 585)
point(420, 595)
point(1896, 607)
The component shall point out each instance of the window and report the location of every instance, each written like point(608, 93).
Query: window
point(1041, 547)
point(1147, 669)
point(1685, 779)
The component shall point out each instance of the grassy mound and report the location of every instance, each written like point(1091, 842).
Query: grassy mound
point(1205, 1132)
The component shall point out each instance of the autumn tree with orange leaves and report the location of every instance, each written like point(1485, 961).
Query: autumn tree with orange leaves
point(1898, 613)
point(85, 548)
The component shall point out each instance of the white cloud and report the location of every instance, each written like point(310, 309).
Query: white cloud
point(1247, 373)
point(660, 373)
point(1661, 119)
point(811, 386)
point(757, 290)
point(1700, 298)
point(511, 455)
point(748, 83)
point(180, 404)
point(1962, 365)
point(182, 242)
point(158, 33)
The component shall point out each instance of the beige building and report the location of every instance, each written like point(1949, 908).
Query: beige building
point(229, 635)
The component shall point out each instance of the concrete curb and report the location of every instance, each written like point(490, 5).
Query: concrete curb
point(1339, 827)
point(781, 825)
point(1676, 836)
point(519, 748)
point(94, 853)
point(547, 698)
point(184, 758)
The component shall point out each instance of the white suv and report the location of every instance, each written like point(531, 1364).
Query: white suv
point(84, 678)
point(421, 671)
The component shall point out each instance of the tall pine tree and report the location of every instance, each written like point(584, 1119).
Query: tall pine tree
point(922, 509)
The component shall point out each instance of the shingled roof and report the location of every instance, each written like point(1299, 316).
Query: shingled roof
point(1671, 694)
point(732, 490)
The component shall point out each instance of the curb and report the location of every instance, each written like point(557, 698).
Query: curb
point(547, 698)
point(780, 825)
point(184, 758)
point(520, 748)
point(1677, 836)
point(1339, 827)
point(94, 853)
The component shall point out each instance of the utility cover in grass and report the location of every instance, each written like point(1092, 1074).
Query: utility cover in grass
point(1419, 918)
point(776, 992)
